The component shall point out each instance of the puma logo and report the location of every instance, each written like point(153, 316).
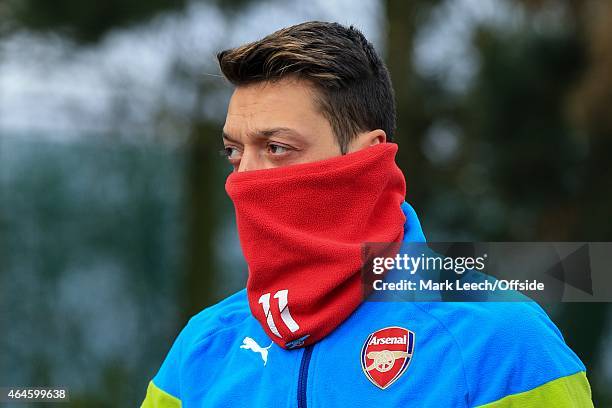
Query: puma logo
point(250, 344)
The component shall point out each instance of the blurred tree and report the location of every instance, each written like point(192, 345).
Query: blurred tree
point(535, 132)
point(591, 109)
point(200, 286)
point(413, 119)
point(85, 21)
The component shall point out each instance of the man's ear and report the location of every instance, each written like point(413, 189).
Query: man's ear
point(366, 139)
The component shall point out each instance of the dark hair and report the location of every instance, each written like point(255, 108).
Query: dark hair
point(354, 88)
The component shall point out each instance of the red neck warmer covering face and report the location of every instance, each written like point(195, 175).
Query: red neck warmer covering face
point(301, 229)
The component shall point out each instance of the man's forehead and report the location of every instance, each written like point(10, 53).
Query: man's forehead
point(269, 95)
point(271, 108)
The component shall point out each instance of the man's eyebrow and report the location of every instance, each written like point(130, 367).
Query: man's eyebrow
point(273, 131)
point(228, 137)
point(263, 133)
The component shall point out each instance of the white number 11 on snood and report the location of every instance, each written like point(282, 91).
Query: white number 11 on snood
point(301, 229)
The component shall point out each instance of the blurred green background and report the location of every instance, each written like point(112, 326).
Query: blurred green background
point(114, 224)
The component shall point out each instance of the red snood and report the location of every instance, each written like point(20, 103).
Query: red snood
point(301, 229)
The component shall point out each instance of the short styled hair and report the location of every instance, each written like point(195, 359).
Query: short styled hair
point(353, 86)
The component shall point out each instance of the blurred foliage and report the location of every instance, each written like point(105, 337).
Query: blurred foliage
point(85, 21)
point(530, 142)
point(96, 232)
point(535, 140)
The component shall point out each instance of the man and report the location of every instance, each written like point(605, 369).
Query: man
point(308, 133)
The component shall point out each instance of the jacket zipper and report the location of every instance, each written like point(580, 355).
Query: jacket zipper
point(303, 377)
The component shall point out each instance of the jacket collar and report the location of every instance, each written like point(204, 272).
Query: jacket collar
point(412, 227)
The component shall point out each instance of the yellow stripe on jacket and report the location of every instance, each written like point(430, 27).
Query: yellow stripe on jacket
point(158, 398)
point(572, 391)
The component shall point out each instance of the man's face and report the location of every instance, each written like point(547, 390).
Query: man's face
point(274, 124)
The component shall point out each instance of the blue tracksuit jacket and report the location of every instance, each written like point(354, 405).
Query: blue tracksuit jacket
point(465, 355)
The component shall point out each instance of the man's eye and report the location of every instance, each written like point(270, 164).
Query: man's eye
point(277, 149)
point(230, 152)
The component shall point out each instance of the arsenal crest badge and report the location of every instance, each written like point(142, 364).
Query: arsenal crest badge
point(386, 354)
